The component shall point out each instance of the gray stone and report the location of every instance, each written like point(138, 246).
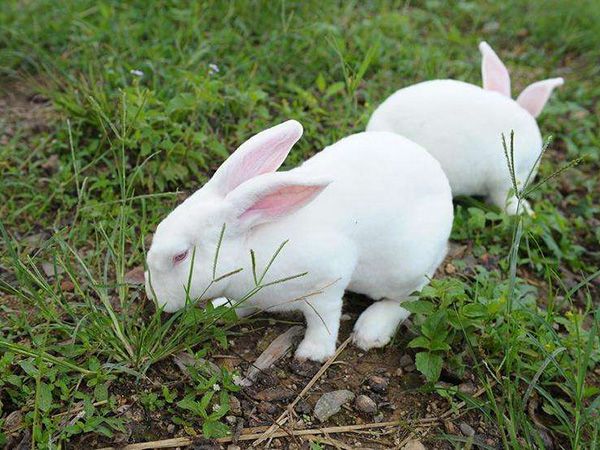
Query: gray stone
point(414, 444)
point(467, 429)
point(467, 388)
point(406, 360)
point(330, 403)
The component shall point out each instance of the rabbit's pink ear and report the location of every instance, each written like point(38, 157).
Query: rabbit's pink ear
point(260, 154)
point(273, 196)
point(494, 73)
point(534, 97)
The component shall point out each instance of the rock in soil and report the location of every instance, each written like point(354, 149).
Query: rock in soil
point(467, 429)
point(276, 350)
point(267, 408)
point(330, 403)
point(414, 445)
point(410, 368)
point(275, 394)
point(467, 388)
point(13, 421)
point(185, 361)
point(547, 439)
point(135, 277)
point(406, 360)
point(378, 384)
point(450, 428)
point(303, 407)
point(50, 270)
point(235, 406)
point(365, 404)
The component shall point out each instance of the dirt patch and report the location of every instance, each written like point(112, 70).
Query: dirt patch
point(387, 377)
point(23, 109)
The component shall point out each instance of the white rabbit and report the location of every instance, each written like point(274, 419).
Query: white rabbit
point(461, 124)
point(371, 214)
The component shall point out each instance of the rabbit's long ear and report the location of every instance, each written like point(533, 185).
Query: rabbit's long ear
point(493, 72)
point(272, 196)
point(534, 97)
point(260, 154)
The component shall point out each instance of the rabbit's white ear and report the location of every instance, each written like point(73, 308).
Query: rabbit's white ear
point(272, 196)
point(534, 97)
point(493, 71)
point(262, 153)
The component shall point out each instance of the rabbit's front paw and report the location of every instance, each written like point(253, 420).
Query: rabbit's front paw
point(315, 351)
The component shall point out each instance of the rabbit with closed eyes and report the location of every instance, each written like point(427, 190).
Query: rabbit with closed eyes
point(371, 214)
point(461, 125)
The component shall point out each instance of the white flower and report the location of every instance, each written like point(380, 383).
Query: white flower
point(216, 407)
point(137, 73)
point(213, 68)
point(216, 387)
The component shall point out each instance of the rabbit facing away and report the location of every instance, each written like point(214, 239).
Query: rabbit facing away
point(461, 125)
point(371, 214)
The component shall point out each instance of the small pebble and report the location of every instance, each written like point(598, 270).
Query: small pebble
point(231, 420)
point(365, 404)
point(414, 445)
point(234, 406)
point(491, 27)
point(378, 384)
point(303, 407)
point(275, 394)
point(467, 388)
point(547, 439)
point(450, 427)
point(466, 429)
point(267, 408)
point(406, 360)
point(233, 447)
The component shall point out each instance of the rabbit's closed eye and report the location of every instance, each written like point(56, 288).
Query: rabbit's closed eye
point(180, 257)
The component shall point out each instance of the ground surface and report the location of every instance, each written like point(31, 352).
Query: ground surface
point(110, 114)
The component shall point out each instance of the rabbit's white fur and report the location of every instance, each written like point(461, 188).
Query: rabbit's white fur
point(371, 213)
point(461, 124)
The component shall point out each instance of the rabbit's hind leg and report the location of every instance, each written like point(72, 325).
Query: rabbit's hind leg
point(378, 323)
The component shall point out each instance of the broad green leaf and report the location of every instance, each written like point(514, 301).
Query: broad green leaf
point(214, 430)
point(101, 392)
point(44, 397)
point(474, 310)
point(420, 341)
point(419, 307)
point(439, 345)
point(435, 325)
point(429, 364)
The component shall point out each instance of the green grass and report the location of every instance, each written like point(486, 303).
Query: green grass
point(128, 145)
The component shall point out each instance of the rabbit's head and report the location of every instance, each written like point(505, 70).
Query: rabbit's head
point(496, 78)
point(243, 193)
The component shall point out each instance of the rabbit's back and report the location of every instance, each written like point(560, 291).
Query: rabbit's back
point(461, 125)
